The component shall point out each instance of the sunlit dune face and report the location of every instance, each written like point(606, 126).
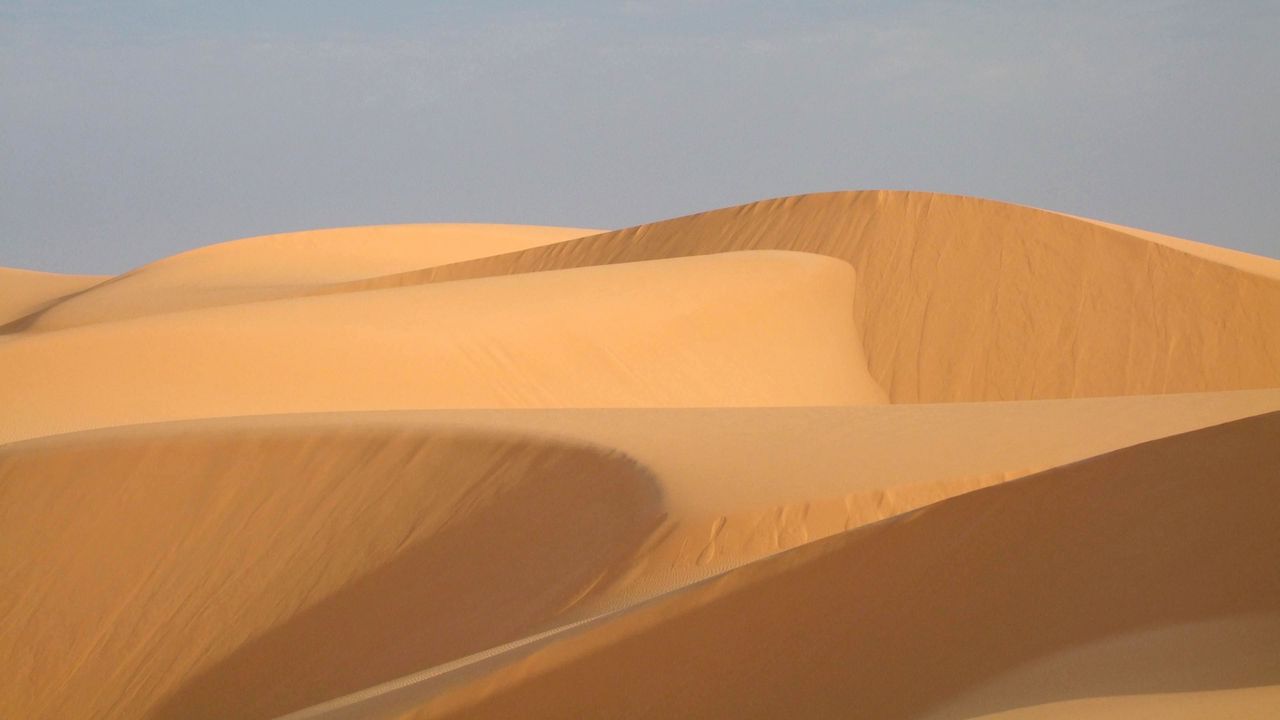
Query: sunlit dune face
point(866, 454)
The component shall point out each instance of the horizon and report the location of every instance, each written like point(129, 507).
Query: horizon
point(133, 132)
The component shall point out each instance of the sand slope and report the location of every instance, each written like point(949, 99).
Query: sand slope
point(964, 299)
point(870, 454)
point(1255, 703)
point(25, 291)
point(342, 528)
point(761, 328)
point(898, 618)
point(272, 266)
point(287, 550)
point(743, 483)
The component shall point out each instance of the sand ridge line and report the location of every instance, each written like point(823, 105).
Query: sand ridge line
point(965, 299)
point(981, 606)
point(290, 547)
point(272, 267)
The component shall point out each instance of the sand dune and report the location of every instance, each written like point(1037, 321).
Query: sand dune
point(868, 454)
point(762, 328)
point(742, 483)
point(898, 618)
point(27, 291)
point(1255, 703)
point(714, 488)
point(274, 266)
point(391, 549)
point(963, 299)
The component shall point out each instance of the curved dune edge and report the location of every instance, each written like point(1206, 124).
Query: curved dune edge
point(744, 483)
point(271, 267)
point(1051, 305)
point(27, 291)
point(1142, 663)
point(782, 476)
point(1255, 264)
point(894, 619)
point(778, 478)
point(964, 299)
point(490, 471)
point(237, 572)
point(1243, 703)
point(735, 329)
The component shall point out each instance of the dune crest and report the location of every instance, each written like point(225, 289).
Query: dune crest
point(285, 265)
point(1189, 520)
point(756, 328)
point(23, 292)
point(199, 563)
point(963, 299)
point(1253, 702)
point(862, 454)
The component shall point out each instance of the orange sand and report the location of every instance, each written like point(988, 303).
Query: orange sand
point(28, 291)
point(876, 454)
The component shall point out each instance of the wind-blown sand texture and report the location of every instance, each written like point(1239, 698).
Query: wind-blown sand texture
point(865, 454)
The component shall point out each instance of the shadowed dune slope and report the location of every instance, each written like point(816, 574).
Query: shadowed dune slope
point(1253, 703)
point(742, 483)
point(1145, 545)
point(868, 454)
point(195, 559)
point(264, 569)
point(26, 291)
point(273, 266)
point(1250, 263)
point(754, 328)
point(964, 299)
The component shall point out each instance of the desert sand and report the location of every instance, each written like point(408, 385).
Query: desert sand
point(28, 291)
point(867, 454)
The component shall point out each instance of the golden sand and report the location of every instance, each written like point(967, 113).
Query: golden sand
point(867, 454)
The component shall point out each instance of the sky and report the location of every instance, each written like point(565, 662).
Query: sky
point(130, 131)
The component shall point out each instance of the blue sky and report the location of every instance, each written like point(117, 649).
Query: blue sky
point(133, 130)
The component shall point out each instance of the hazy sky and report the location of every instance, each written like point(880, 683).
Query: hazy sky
point(133, 130)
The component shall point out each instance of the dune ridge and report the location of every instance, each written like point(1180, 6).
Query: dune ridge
point(765, 480)
point(270, 267)
point(862, 609)
point(754, 328)
point(28, 291)
point(178, 561)
point(1252, 702)
point(864, 454)
point(964, 299)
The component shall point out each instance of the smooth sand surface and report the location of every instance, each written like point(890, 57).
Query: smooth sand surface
point(739, 484)
point(284, 549)
point(894, 619)
point(752, 328)
point(869, 454)
point(1255, 703)
point(709, 489)
point(273, 266)
point(23, 292)
point(964, 299)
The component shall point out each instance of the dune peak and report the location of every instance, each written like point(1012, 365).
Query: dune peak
point(879, 454)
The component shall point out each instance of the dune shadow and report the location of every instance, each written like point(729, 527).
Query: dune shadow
point(506, 569)
point(902, 618)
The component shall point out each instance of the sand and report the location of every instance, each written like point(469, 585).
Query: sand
point(1254, 703)
point(874, 454)
point(28, 291)
point(894, 619)
point(962, 299)
point(186, 546)
point(752, 328)
point(274, 266)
